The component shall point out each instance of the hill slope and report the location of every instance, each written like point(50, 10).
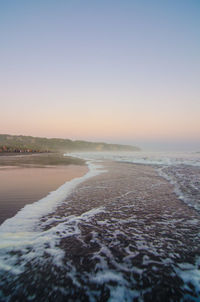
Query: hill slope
point(20, 143)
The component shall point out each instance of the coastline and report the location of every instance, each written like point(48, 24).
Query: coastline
point(26, 179)
point(128, 229)
point(39, 159)
point(121, 235)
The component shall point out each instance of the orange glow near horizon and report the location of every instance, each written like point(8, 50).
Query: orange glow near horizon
point(126, 79)
point(119, 126)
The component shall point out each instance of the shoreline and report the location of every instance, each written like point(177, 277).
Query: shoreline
point(23, 153)
point(50, 202)
point(132, 213)
point(39, 159)
point(121, 235)
point(26, 181)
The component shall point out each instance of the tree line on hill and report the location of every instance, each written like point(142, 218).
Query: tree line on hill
point(29, 144)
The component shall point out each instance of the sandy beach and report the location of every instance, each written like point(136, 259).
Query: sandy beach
point(120, 236)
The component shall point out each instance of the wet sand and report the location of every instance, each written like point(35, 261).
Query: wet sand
point(26, 179)
point(125, 237)
point(38, 159)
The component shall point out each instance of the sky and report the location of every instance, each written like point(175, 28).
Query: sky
point(118, 71)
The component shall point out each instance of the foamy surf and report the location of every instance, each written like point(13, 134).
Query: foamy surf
point(182, 170)
point(146, 158)
point(122, 235)
point(24, 229)
point(28, 216)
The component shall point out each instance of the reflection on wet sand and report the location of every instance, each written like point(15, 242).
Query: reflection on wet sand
point(28, 182)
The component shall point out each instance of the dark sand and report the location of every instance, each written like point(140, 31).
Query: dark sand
point(132, 250)
point(25, 179)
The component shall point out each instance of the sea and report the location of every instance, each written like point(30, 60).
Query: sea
point(83, 242)
point(182, 169)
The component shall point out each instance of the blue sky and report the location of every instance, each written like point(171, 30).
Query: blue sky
point(119, 71)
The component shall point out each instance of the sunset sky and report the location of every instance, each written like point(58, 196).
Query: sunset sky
point(116, 71)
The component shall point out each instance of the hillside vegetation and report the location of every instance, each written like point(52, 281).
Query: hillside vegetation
point(20, 143)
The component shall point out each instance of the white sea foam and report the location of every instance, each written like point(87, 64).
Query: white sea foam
point(21, 231)
point(149, 158)
point(186, 182)
point(33, 245)
point(28, 216)
point(22, 241)
point(190, 274)
point(182, 170)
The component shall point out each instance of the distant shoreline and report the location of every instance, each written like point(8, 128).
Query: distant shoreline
point(30, 144)
point(38, 159)
point(23, 153)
